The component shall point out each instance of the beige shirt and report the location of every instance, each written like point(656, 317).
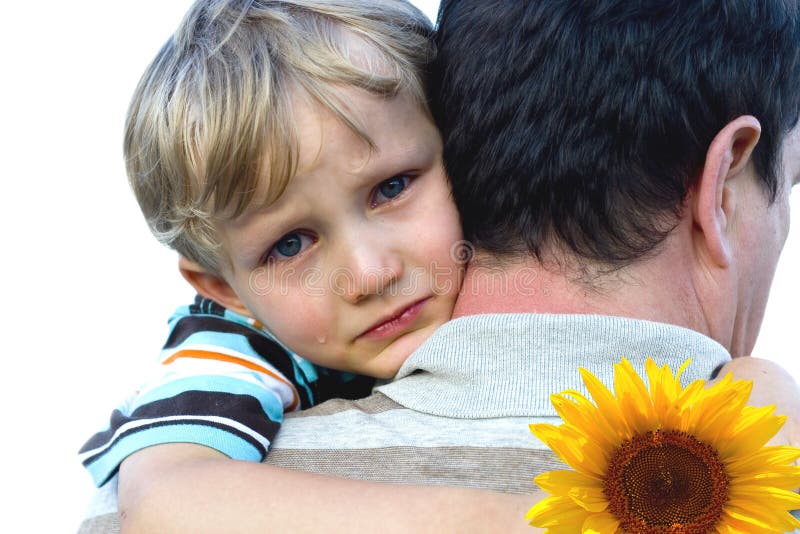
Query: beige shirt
point(459, 409)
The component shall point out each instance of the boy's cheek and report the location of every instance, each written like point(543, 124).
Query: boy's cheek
point(296, 320)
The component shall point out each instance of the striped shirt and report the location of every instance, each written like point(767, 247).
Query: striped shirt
point(222, 381)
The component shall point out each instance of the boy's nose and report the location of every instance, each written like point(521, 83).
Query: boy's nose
point(372, 268)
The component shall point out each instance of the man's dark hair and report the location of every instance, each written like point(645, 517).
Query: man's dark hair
point(586, 122)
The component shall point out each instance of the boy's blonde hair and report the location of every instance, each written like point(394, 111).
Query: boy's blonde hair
point(211, 122)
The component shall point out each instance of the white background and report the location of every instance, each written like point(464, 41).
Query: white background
point(86, 290)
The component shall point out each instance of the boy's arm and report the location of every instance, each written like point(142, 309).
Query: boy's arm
point(220, 382)
point(189, 488)
point(182, 487)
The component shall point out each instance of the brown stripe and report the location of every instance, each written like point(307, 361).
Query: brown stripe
point(220, 357)
point(375, 403)
point(101, 524)
point(508, 470)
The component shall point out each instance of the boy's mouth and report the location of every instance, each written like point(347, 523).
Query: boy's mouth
point(396, 322)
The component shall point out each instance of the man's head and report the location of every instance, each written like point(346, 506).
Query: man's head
point(587, 123)
point(210, 127)
point(652, 139)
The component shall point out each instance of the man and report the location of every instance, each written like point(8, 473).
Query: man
point(623, 172)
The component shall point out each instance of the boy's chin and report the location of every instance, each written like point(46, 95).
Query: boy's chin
point(387, 363)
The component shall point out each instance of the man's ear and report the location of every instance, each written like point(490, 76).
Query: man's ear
point(211, 286)
point(715, 200)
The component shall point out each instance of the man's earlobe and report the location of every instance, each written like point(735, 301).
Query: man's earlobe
point(211, 286)
point(715, 200)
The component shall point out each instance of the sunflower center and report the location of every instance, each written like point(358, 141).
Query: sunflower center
point(662, 482)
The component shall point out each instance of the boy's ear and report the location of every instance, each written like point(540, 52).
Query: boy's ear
point(211, 286)
point(715, 201)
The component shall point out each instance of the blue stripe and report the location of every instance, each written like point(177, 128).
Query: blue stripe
point(269, 400)
point(180, 313)
point(305, 372)
point(228, 444)
point(309, 369)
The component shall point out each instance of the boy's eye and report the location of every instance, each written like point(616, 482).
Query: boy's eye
point(289, 245)
point(389, 189)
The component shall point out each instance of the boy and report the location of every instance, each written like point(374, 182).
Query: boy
point(285, 150)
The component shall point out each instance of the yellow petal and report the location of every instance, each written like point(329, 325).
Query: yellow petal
point(607, 405)
point(636, 415)
point(633, 398)
point(588, 498)
point(583, 415)
point(776, 497)
point(561, 481)
point(714, 415)
point(664, 390)
point(733, 525)
point(544, 507)
point(544, 431)
point(563, 529)
point(604, 523)
point(751, 433)
point(556, 511)
point(781, 477)
point(686, 400)
point(762, 459)
point(727, 528)
point(574, 449)
point(768, 520)
point(716, 409)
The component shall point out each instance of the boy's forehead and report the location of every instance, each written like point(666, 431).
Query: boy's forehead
point(308, 128)
point(311, 127)
point(392, 131)
point(316, 127)
point(371, 129)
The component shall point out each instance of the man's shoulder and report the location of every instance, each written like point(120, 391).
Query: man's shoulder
point(379, 439)
point(372, 404)
point(339, 420)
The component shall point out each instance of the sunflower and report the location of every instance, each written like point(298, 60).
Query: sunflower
point(668, 460)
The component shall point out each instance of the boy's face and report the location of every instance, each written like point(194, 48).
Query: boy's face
point(353, 267)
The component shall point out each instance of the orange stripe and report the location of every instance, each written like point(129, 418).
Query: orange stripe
point(208, 355)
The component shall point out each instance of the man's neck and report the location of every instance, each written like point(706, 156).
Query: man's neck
point(524, 285)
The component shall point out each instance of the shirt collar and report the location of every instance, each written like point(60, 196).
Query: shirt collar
point(497, 365)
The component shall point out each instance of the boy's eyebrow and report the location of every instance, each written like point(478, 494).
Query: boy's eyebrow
point(249, 250)
point(252, 230)
point(417, 147)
